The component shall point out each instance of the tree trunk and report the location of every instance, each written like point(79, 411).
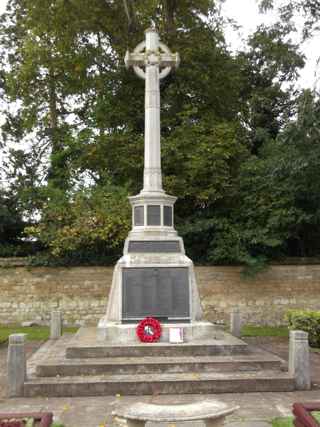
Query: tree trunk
point(131, 15)
point(170, 7)
point(58, 172)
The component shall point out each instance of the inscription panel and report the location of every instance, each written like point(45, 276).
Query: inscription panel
point(167, 216)
point(148, 246)
point(153, 215)
point(158, 292)
point(139, 215)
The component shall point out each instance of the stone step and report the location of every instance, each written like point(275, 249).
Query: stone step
point(152, 365)
point(213, 348)
point(146, 384)
point(84, 345)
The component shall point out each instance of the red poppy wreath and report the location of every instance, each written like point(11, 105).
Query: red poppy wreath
point(149, 330)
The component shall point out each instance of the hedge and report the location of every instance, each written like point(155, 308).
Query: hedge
point(308, 321)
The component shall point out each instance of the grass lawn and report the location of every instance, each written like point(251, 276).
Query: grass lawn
point(35, 333)
point(265, 331)
point(282, 422)
point(288, 421)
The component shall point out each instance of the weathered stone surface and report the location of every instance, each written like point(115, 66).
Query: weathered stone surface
point(29, 324)
point(213, 412)
point(157, 365)
point(115, 333)
point(299, 359)
point(83, 367)
point(16, 365)
point(235, 322)
point(85, 344)
point(146, 384)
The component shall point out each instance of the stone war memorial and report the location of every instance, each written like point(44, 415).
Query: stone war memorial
point(153, 338)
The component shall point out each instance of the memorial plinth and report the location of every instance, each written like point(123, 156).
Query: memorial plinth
point(154, 277)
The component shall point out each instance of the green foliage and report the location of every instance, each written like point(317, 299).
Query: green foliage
point(288, 421)
point(11, 222)
point(283, 422)
point(308, 10)
point(271, 60)
point(308, 321)
point(275, 212)
point(239, 145)
point(34, 333)
point(12, 227)
point(92, 223)
point(18, 250)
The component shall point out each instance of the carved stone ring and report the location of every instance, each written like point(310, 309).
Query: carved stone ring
point(162, 56)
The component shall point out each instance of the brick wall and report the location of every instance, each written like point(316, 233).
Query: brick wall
point(81, 292)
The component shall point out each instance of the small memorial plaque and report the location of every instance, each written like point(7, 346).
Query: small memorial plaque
point(175, 335)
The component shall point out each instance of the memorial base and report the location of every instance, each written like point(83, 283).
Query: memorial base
point(82, 366)
point(115, 333)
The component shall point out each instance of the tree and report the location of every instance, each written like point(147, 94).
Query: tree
point(279, 211)
point(308, 9)
point(67, 92)
point(11, 225)
point(271, 66)
point(89, 228)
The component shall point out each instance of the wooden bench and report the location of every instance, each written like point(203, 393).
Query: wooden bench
point(303, 416)
point(211, 412)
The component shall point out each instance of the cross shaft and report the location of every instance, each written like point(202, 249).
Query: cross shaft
point(152, 61)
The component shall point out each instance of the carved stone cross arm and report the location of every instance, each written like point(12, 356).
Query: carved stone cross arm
point(152, 52)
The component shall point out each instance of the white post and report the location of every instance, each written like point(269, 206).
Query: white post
point(55, 325)
point(299, 359)
point(235, 322)
point(16, 363)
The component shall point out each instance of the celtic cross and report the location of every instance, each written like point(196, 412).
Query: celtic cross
point(152, 61)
